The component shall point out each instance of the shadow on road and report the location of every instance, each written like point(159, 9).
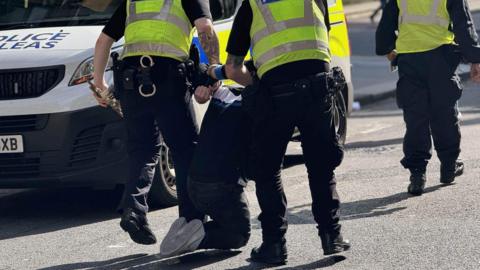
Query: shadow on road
point(144, 261)
point(252, 266)
point(358, 209)
point(325, 262)
point(40, 211)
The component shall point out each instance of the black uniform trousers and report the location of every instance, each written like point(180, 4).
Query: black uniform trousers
point(166, 115)
point(215, 184)
point(427, 91)
point(306, 109)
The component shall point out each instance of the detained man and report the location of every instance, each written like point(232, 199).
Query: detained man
point(216, 183)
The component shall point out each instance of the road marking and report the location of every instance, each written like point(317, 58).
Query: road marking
point(117, 246)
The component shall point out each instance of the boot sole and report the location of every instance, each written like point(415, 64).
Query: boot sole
point(183, 244)
point(176, 226)
point(135, 233)
point(343, 248)
point(450, 181)
point(415, 193)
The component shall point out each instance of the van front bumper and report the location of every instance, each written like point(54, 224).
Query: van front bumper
point(80, 148)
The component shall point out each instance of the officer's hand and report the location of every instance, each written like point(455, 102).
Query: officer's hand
point(391, 56)
point(201, 76)
point(202, 94)
point(101, 101)
point(214, 87)
point(475, 73)
point(103, 86)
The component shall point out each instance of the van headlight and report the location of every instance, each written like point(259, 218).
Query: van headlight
point(84, 71)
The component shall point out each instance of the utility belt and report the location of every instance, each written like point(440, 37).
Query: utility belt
point(257, 99)
point(316, 86)
point(138, 76)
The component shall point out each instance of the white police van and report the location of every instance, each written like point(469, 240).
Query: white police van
point(52, 133)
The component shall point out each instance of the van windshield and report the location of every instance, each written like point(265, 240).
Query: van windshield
point(16, 14)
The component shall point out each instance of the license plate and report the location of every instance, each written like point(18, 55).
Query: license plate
point(11, 144)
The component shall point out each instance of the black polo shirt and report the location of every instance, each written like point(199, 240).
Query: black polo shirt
point(195, 9)
point(239, 44)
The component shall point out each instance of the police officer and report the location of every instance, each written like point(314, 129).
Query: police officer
point(290, 48)
point(153, 93)
point(428, 88)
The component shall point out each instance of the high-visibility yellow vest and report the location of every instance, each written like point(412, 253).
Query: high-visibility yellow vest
point(287, 31)
point(157, 28)
point(423, 25)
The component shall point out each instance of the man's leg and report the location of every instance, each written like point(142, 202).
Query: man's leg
point(417, 143)
point(413, 99)
point(177, 126)
point(323, 154)
point(142, 148)
point(227, 206)
point(269, 149)
point(445, 91)
point(270, 138)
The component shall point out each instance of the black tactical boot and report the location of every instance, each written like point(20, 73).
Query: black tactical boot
point(271, 253)
point(418, 178)
point(448, 172)
point(333, 243)
point(137, 227)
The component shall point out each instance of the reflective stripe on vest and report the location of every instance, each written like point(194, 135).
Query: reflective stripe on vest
point(147, 48)
point(163, 15)
point(290, 50)
point(289, 47)
point(432, 18)
point(274, 26)
point(145, 18)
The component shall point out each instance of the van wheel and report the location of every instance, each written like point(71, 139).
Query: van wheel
point(163, 192)
point(340, 118)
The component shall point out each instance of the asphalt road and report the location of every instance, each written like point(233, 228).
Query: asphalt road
point(78, 228)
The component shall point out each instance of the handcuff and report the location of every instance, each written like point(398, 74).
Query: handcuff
point(145, 76)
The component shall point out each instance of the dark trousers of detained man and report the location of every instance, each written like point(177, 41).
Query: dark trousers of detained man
point(167, 113)
point(216, 183)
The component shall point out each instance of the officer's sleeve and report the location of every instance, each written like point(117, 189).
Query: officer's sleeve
point(239, 41)
point(196, 9)
point(385, 36)
point(464, 30)
point(115, 27)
